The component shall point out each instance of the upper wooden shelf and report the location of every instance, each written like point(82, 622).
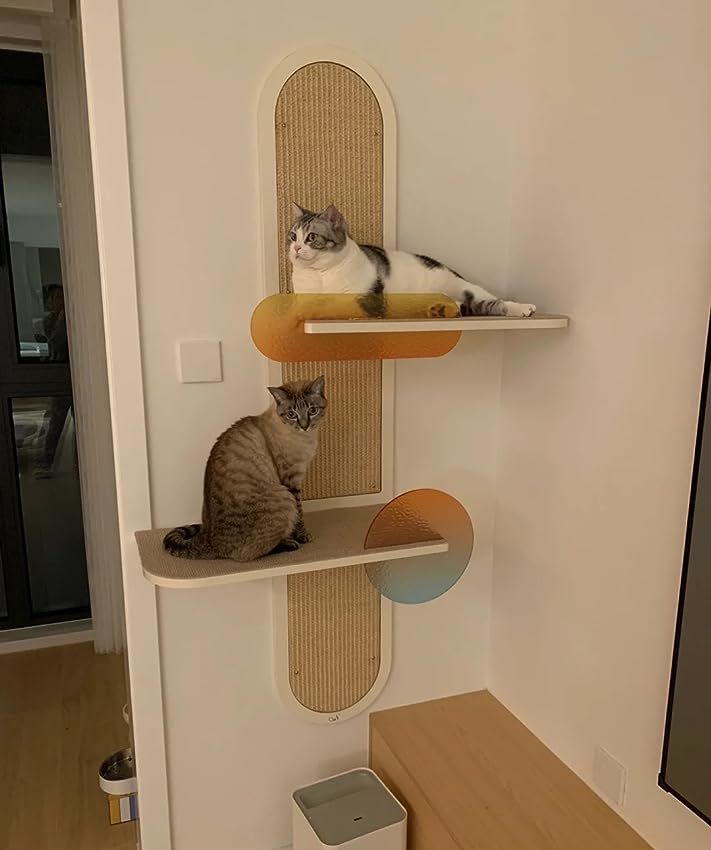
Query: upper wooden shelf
point(338, 534)
point(537, 322)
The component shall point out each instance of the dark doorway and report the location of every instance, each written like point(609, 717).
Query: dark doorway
point(43, 574)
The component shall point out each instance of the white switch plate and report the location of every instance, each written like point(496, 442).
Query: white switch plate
point(199, 360)
point(610, 776)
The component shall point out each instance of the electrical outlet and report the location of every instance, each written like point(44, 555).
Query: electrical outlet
point(610, 776)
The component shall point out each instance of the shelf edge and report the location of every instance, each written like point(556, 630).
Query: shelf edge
point(477, 323)
point(368, 556)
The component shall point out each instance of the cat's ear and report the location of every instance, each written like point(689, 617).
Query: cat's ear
point(297, 212)
point(280, 395)
point(334, 217)
point(318, 386)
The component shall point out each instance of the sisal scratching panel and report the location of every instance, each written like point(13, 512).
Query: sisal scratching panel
point(348, 458)
point(329, 149)
point(334, 637)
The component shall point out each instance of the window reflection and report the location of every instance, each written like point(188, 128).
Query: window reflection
point(33, 228)
point(51, 502)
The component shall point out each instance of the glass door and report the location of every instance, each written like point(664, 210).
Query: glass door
point(43, 575)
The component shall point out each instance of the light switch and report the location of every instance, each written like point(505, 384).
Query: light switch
point(199, 360)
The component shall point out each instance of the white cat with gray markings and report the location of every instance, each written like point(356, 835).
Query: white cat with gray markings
point(326, 260)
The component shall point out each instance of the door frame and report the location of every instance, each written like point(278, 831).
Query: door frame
point(103, 71)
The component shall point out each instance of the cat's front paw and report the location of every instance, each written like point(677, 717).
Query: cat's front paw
point(440, 310)
point(303, 536)
point(514, 308)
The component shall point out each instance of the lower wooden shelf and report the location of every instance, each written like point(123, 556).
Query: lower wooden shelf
point(338, 534)
point(473, 777)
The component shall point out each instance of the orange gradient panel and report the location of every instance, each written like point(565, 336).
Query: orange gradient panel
point(278, 328)
point(415, 517)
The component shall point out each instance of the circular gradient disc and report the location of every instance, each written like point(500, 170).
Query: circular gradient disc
point(416, 517)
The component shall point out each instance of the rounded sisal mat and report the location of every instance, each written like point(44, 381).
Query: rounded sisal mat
point(329, 149)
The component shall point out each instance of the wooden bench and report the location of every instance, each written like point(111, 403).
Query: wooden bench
point(472, 777)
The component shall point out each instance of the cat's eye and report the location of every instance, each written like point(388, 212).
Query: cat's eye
point(313, 410)
point(292, 236)
point(291, 414)
point(311, 237)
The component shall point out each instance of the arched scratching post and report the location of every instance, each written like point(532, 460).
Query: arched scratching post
point(327, 136)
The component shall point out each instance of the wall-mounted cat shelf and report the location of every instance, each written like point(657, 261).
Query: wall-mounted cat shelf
point(340, 537)
point(537, 322)
point(304, 328)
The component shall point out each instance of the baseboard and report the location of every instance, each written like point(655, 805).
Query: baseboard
point(43, 637)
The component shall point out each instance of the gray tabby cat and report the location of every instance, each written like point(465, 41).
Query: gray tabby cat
point(252, 494)
point(325, 259)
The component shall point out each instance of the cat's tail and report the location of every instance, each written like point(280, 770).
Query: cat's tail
point(188, 541)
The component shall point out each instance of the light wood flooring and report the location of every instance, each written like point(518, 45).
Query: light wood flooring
point(60, 716)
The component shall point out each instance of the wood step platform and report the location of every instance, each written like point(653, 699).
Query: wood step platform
point(473, 777)
point(339, 538)
point(537, 322)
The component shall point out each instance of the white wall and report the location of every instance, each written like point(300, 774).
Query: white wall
point(602, 109)
point(192, 83)
point(612, 221)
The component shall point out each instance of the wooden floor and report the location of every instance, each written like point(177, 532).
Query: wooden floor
point(472, 777)
point(60, 716)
